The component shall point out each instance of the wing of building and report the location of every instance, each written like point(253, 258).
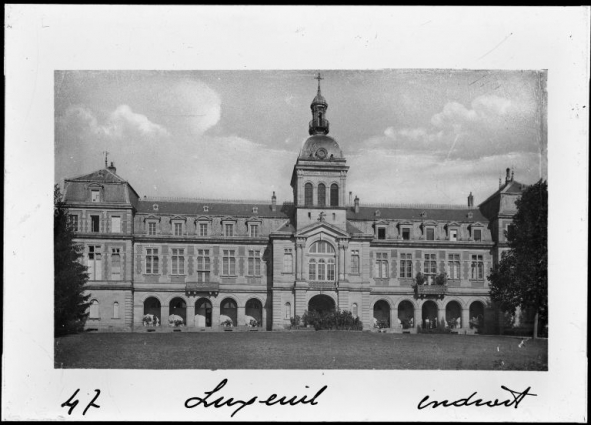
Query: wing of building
point(209, 264)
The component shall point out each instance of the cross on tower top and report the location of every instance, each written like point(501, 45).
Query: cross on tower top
point(318, 77)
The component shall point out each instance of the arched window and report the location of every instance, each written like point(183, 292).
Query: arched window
point(334, 195)
point(321, 195)
point(322, 262)
point(115, 310)
point(354, 310)
point(94, 310)
point(288, 310)
point(308, 194)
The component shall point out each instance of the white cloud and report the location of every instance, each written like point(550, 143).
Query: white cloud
point(123, 121)
point(485, 107)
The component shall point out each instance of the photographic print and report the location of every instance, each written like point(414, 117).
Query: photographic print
point(295, 213)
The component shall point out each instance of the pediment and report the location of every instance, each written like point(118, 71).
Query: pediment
point(476, 224)
point(453, 224)
point(405, 223)
point(203, 218)
point(322, 227)
point(152, 217)
point(381, 223)
point(254, 220)
point(178, 218)
point(429, 223)
point(228, 218)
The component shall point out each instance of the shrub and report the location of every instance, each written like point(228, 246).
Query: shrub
point(334, 320)
point(254, 323)
point(227, 323)
point(420, 279)
point(295, 321)
point(441, 279)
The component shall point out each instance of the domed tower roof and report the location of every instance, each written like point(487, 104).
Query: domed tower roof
point(321, 147)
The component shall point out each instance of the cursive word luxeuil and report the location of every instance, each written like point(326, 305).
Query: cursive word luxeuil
point(517, 398)
point(270, 401)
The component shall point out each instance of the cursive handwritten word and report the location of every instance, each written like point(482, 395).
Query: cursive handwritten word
point(517, 398)
point(270, 401)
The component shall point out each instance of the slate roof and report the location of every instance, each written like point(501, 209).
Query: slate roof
point(242, 209)
point(352, 229)
point(100, 176)
point(510, 187)
point(404, 213)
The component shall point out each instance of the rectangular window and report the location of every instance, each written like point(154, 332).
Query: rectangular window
point(178, 261)
point(95, 262)
point(95, 223)
point(229, 230)
point(406, 265)
point(203, 229)
point(254, 263)
point(406, 234)
point(430, 234)
point(477, 234)
point(453, 235)
point(381, 233)
point(73, 220)
point(151, 261)
point(178, 229)
point(203, 265)
point(151, 228)
point(254, 231)
point(430, 267)
point(115, 224)
point(454, 266)
point(355, 261)
point(381, 265)
point(115, 264)
point(287, 261)
point(510, 232)
point(229, 262)
point(477, 267)
point(95, 196)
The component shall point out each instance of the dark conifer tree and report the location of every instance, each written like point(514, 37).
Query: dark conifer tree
point(70, 275)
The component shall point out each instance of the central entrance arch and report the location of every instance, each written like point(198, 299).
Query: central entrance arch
point(321, 304)
point(203, 313)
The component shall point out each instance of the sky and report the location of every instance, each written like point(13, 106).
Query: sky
point(409, 136)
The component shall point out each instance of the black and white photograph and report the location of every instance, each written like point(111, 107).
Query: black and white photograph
point(239, 235)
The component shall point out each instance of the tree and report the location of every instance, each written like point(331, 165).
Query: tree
point(70, 304)
point(521, 277)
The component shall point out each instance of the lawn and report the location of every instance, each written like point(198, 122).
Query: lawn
point(298, 350)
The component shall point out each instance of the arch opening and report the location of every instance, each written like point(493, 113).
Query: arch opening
point(177, 308)
point(229, 312)
point(152, 306)
point(321, 304)
point(453, 314)
point(254, 311)
point(406, 314)
point(203, 310)
point(477, 316)
point(381, 314)
point(429, 316)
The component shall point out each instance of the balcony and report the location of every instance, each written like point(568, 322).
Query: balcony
point(322, 286)
point(431, 290)
point(202, 287)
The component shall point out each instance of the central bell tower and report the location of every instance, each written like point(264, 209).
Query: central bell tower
point(320, 173)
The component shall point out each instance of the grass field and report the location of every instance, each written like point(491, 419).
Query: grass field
point(298, 350)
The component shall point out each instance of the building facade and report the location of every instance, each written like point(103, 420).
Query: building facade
point(258, 264)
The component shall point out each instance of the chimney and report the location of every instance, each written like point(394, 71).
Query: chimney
point(470, 200)
point(112, 168)
point(508, 177)
point(356, 205)
point(350, 198)
point(500, 183)
point(512, 172)
point(273, 202)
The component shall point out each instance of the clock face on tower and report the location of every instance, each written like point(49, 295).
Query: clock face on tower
point(321, 153)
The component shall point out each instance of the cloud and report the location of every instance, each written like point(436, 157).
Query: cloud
point(485, 107)
point(124, 121)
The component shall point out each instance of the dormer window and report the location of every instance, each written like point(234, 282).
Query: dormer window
point(202, 226)
point(95, 195)
point(406, 233)
point(228, 226)
point(254, 230)
point(381, 232)
point(155, 207)
point(255, 210)
point(430, 234)
point(453, 235)
point(152, 228)
point(205, 208)
point(478, 235)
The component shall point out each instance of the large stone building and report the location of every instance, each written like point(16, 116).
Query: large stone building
point(210, 261)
